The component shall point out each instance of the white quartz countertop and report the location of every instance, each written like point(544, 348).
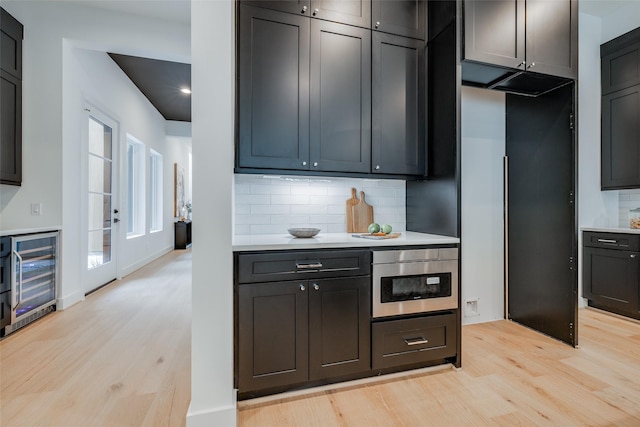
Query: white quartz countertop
point(612, 230)
point(267, 242)
point(18, 232)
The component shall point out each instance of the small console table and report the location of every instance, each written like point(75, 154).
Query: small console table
point(182, 234)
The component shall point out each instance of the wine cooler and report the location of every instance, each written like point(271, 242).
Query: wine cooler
point(32, 263)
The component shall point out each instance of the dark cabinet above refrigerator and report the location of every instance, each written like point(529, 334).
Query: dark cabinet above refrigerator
point(520, 47)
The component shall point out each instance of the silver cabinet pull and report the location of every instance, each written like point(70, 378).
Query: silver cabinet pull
point(522, 64)
point(377, 24)
point(302, 288)
point(315, 164)
point(315, 11)
point(304, 9)
point(533, 64)
point(308, 266)
point(607, 241)
point(416, 341)
point(632, 255)
point(304, 163)
point(377, 167)
point(316, 287)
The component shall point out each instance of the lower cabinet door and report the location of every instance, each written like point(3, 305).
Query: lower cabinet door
point(5, 309)
point(416, 340)
point(610, 278)
point(339, 327)
point(273, 348)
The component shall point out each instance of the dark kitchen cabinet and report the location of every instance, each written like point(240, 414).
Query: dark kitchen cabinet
point(182, 234)
point(273, 335)
point(620, 139)
point(340, 83)
point(611, 269)
point(5, 309)
point(398, 141)
point(339, 327)
point(350, 12)
point(503, 38)
point(11, 102)
point(273, 90)
point(620, 62)
point(401, 17)
point(283, 60)
point(291, 333)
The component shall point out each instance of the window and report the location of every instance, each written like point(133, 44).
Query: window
point(135, 187)
point(155, 191)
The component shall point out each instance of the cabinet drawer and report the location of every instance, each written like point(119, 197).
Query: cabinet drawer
point(408, 341)
point(300, 265)
point(627, 242)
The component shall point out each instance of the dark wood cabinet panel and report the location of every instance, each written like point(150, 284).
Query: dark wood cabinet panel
point(272, 335)
point(621, 139)
point(273, 90)
point(339, 327)
point(552, 37)
point(5, 309)
point(11, 35)
point(502, 38)
point(620, 61)
point(340, 135)
point(406, 18)
point(494, 32)
point(291, 6)
point(11, 100)
point(10, 129)
point(182, 234)
point(398, 138)
point(611, 271)
point(351, 12)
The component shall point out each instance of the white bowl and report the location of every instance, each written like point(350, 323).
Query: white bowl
point(303, 232)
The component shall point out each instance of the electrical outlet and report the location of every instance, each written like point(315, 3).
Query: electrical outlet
point(36, 208)
point(471, 307)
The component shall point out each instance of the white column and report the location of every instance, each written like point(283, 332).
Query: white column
point(212, 81)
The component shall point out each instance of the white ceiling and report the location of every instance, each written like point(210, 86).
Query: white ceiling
point(603, 8)
point(170, 10)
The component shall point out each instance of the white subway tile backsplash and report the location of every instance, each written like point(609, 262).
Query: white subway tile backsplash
point(268, 204)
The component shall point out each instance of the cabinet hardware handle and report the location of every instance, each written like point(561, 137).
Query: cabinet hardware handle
point(377, 24)
point(304, 9)
point(377, 167)
point(115, 211)
point(315, 164)
point(18, 291)
point(607, 241)
point(315, 11)
point(116, 220)
point(632, 255)
point(302, 288)
point(314, 265)
point(304, 163)
point(533, 64)
point(316, 287)
point(522, 64)
point(416, 341)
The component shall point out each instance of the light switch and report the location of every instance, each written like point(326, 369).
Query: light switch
point(36, 208)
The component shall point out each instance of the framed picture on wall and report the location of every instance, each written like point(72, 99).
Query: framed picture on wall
point(178, 189)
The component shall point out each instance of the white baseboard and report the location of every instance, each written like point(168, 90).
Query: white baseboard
point(65, 302)
point(141, 263)
point(218, 417)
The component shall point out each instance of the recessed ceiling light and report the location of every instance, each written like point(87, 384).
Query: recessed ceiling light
point(185, 90)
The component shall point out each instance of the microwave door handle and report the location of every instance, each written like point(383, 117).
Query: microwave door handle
point(18, 291)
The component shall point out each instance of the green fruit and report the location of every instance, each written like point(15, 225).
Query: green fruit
point(373, 228)
point(386, 228)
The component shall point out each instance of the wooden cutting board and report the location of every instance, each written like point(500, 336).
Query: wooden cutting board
point(362, 215)
point(350, 204)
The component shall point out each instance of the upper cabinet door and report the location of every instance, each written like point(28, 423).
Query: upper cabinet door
point(10, 129)
point(11, 44)
point(552, 37)
point(273, 90)
point(351, 12)
point(340, 84)
point(494, 32)
point(292, 6)
point(406, 18)
point(398, 139)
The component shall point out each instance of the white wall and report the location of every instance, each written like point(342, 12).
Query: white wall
point(272, 204)
point(212, 76)
point(482, 248)
point(51, 132)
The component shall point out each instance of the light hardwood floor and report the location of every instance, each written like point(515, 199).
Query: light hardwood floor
point(121, 358)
